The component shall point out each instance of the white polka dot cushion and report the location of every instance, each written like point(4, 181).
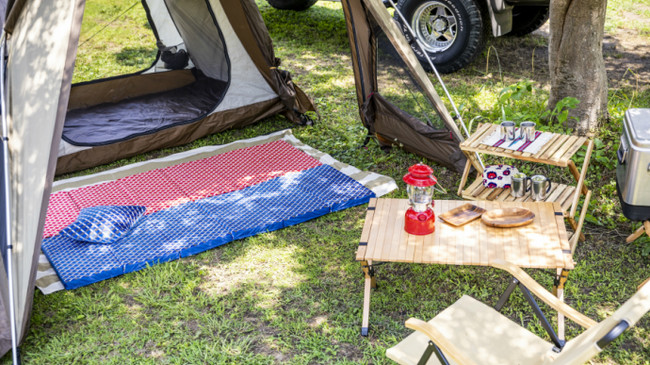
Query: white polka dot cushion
point(104, 223)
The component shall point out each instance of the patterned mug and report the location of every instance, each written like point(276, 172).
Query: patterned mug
point(498, 176)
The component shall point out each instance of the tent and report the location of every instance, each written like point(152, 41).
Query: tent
point(231, 79)
point(41, 42)
point(216, 70)
point(376, 45)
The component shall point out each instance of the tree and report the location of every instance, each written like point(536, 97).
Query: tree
point(576, 62)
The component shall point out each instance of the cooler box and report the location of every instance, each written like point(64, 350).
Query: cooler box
point(633, 168)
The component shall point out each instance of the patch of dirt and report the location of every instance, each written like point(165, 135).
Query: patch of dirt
point(627, 57)
point(625, 51)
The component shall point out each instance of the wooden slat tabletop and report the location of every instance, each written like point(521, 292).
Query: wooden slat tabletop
point(541, 244)
point(559, 193)
point(558, 151)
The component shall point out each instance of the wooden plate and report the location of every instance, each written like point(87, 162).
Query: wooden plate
point(462, 215)
point(508, 217)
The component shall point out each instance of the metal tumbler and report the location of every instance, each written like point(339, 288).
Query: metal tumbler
point(527, 130)
point(508, 130)
point(520, 185)
point(539, 188)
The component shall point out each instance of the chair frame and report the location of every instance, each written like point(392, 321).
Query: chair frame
point(439, 345)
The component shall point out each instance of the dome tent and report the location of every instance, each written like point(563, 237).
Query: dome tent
point(228, 77)
point(51, 126)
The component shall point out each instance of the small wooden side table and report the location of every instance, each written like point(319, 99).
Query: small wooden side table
point(540, 244)
point(557, 152)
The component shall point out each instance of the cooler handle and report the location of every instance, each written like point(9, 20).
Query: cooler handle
point(621, 156)
point(621, 153)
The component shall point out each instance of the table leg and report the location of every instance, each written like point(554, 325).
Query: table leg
point(581, 179)
point(645, 227)
point(560, 317)
point(370, 283)
point(574, 226)
point(463, 178)
point(558, 290)
point(581, 188)
point(577, 227)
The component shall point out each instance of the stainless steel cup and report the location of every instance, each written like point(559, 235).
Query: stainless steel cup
point(539, 188)
point(507, 130)
point(527, 130)
point(520, 184)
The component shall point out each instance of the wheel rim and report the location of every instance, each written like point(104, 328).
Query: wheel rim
point(435, 26)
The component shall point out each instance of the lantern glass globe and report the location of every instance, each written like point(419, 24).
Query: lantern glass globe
point(420, 197)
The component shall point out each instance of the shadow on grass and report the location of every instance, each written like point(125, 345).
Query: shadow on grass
point(135, 56)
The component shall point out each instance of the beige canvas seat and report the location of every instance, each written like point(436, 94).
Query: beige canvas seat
point(470, 332)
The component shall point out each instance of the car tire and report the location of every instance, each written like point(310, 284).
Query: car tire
point(527, 19)
point(298, 5)
point(451, 31)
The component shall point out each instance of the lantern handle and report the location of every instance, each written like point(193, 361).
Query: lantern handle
point(438, 187)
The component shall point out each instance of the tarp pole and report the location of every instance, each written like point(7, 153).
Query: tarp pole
point(435, 71)
point(7, 203)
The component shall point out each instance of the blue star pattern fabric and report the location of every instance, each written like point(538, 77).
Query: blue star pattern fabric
point(103, 223)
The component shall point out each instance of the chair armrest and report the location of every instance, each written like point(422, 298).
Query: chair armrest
point(544, 294)
point(447, 347)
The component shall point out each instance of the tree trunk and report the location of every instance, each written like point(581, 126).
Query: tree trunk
point(576, 62)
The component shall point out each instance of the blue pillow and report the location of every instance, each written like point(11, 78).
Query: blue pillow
point(104, 223)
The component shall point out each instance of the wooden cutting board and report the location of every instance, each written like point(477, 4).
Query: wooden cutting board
point(508, 217)
point(462, 215)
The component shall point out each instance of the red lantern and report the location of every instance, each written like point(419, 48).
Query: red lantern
point(420, 219)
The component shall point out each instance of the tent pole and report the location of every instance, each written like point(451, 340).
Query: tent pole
point(7, 203)
point(419, 43)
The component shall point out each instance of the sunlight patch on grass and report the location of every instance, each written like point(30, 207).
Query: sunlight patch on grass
point(273, 269)
point(343, 82)
point(628, 14)
point(133, 309)
point(105, 49)
point(605, 310)
point(485, 99)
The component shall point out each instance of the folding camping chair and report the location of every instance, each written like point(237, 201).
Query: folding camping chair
point(470, 332)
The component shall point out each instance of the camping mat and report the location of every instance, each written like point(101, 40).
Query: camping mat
point(276, 181)
point(166, 187)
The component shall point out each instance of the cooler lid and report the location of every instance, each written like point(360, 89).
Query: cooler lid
point(638, 124)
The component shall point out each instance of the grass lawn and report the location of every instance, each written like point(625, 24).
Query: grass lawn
point(295, 295)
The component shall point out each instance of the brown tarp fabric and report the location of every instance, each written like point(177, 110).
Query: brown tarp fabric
point(387, 122)
point(379, 17)
point(250, 28)
point(395, 127)
point(114, 90)
point(14, 8)
point(363, 51)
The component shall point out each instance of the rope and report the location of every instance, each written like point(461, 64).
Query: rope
point(109, 23)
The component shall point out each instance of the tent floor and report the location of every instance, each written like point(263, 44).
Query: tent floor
point(114, 122)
